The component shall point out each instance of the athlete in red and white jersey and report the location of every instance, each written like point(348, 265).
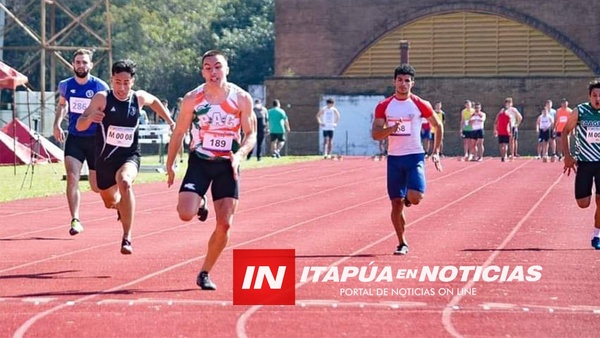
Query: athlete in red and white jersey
point(216, 127)
point(407, 113)
point(217, 111)
point(398, 118)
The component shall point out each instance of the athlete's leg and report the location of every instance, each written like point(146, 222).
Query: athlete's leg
point(125, 177)
point(73, 169)
point(224, 209)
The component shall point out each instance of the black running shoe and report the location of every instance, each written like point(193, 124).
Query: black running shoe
point(407, 202)
point(126, 248)
point(402, 249)
point(204, 282)
point(203, 210)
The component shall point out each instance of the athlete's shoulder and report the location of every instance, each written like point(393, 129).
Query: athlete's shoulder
point(100, 84)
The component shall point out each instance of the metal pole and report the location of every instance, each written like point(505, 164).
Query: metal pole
point(43, 65)
point(346, 143)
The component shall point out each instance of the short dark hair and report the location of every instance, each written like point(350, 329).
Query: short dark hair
point(83, 51)
point(330, 101)
point(123, 66)
point(404, 69)
point(595, 83)
point(276, 103)
point(213, 52)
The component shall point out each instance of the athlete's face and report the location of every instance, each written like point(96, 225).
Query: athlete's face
point(215, 70)
point(82, 65)
point(121, 84)
point(595, 98)
point(403, 84)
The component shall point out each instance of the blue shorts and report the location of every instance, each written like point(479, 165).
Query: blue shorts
point(404, 173)
point(425, 134)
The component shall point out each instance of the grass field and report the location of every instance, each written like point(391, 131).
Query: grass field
point(47, 179)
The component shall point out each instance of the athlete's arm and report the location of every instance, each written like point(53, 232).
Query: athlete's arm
point(537, 124)
point(248, 123)
point(94, 113)
point(184, 121)
point(337, 116)
point(569, 162)
point(149, 100)
point(319, 114)
point(61, 111)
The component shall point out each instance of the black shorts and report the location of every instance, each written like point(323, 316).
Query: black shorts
point(544, 136)
point(587, 174)
point(106, 171)
point(81, 148)
point(201, 173)
point(277, 137)
point(515, 133)
point(558, 134)
point(503, 139)
point(328, 133)
point(476, 134)
point(466, 134)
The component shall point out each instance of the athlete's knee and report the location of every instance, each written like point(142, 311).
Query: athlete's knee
point(583, 202)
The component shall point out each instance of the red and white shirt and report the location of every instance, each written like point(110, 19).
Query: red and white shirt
point(216, 127)
point(406, 139)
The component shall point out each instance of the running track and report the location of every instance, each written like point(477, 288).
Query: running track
point(333, 213)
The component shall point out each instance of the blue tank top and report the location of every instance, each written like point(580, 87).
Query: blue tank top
point(78, 98)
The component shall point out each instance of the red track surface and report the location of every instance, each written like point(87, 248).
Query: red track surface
point(333, 213)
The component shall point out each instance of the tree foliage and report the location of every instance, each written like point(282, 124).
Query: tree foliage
point(165, 38)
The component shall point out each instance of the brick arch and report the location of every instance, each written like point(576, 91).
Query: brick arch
point(412, 15)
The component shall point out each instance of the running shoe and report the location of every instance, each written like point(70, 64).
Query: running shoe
point(596, 243)
point(402, 249)
point(203, 210)
point(204, 282)
point(407, 202)
point(76, 227)
point(126, 248)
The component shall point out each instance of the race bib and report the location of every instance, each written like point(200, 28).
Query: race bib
point(563, 119)
point(216, 141)
point(404, 127)
point(78, 105)
point(545, 124)
point(120, 136)
point(593, 135)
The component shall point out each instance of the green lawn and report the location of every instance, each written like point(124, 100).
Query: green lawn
point(47, 179)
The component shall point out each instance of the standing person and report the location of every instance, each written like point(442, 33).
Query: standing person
point(262, 119)
point(543, 126)
point(77, 92)
point(426, 135)
point(399, 118)
point(515, 121)
point(217, 111)
point(502, 131)
point(117, 114)
point(279, 126)
point(562, 115)
point(465, 130)
point(437, 108)
point(552, 142)
point(477, 122)
point(583, 123)
point(328, 118)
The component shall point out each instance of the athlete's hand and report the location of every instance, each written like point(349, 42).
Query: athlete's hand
point(97, 116)
point(170, 175)
point(435, 158)
point(570, 164)
point(236, 160)
point(59, 134)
